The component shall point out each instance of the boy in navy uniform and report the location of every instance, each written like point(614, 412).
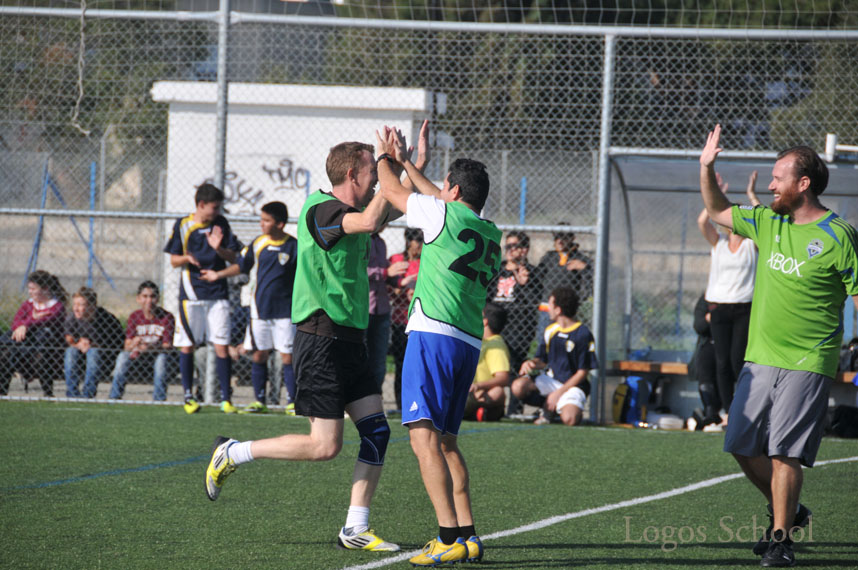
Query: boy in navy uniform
point(270, 261)
point(567, 353)
point(203, 240)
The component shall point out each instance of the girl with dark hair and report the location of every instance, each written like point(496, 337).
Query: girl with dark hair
point(33, 345)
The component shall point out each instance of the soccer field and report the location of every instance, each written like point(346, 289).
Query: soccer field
point(121, 486)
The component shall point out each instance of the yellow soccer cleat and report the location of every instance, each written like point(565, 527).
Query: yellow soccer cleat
point(436, 552)
point(290, 409)
point(227, 407)
point(366, 540)
point(255, 408)
point(220, 466)
point(475, 549)
point(191, 406)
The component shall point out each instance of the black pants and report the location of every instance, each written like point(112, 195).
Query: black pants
point(398, 342)
point(729, 325)
point(706, 379)
point(38, 356)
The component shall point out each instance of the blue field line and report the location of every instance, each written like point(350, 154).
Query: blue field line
point(179, 462)
point(106, 474)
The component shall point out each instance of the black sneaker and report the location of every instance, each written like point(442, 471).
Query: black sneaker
point(802, 517)
point(778, 555)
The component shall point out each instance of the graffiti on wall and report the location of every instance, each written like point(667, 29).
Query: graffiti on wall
point(246, 190)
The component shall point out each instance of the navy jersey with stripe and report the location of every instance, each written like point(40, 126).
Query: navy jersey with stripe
point(271, 265)
point(567, 351)
point(192, 237)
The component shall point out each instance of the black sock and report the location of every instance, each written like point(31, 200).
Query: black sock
point(467, 532)
point(448, 534)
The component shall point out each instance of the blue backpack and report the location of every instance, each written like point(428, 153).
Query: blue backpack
point(631, 397)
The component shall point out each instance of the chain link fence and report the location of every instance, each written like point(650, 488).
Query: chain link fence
point(113, 116)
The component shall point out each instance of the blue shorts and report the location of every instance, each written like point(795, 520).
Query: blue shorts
point(436, 375)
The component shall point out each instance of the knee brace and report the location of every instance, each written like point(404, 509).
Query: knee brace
point(374, 435)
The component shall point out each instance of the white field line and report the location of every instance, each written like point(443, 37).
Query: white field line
point(569, 516)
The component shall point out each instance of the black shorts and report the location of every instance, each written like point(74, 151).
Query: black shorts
point(330, 374)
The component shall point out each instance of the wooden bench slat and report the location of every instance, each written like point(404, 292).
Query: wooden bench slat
point(624, 367)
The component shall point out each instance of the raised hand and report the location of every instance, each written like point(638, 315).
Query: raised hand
point(750, 191)
point(423, 151)
point(397, 139)
point(215, 237)
point(711, 150)
point(382, 142)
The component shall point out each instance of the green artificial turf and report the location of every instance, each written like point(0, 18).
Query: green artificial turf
point(121, 486)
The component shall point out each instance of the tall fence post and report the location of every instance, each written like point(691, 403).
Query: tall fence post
point(600, 298)
point(91, 254)
point(220, 158)
point(222, 92)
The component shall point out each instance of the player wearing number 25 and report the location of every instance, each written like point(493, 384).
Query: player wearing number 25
point(461, 255)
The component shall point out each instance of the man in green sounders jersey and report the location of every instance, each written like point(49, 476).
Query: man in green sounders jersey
point(461, 255)
point(808, 265)
point(330, 306)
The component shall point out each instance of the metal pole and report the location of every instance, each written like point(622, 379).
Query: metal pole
point(91, 224)
point(220, 159)
point(522, 202)
point(630, 263)
point(503, 182)
point(222, 92)
point(600, 300)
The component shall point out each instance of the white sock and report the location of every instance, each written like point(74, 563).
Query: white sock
point(240, 452)
point(358, 519)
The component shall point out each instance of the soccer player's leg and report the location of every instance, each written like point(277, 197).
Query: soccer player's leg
point(570, 406)
point(464, 358)
point(190, 329)
point(258, 340)
point(429, 408)
point(284, 340)
point(220, 466)
point(365, 408)
point(217, 331)
point(799, 406)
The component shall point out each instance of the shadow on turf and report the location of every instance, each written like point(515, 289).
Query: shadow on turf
point(811, 556)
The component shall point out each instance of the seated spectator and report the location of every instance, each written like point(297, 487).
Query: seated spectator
point(34, 344)
point(565, 266)
point(148, 345)
point(486, 399)
point(567, 352)
point(517, 289)
point(94, 337)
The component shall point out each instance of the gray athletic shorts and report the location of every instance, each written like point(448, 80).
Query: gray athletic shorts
point(777, 412)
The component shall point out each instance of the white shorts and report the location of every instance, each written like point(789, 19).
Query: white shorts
point(575, 395)
point(265, 334)
point(202, 321)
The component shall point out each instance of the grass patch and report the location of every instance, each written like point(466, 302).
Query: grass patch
point(121, 486)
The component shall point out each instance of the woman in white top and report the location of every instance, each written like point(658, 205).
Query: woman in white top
point(729, 294)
